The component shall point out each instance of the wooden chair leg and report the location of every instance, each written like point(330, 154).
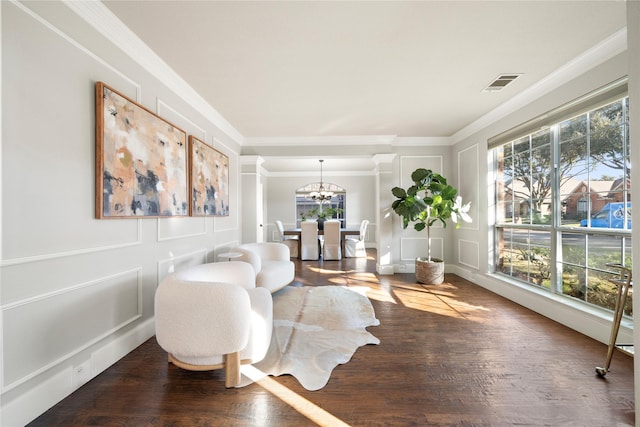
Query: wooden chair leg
point(232, 369)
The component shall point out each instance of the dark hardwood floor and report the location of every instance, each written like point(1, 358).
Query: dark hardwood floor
point(450, 355)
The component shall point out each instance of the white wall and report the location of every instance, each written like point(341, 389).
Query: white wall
point(360, 199)
point(76, 292)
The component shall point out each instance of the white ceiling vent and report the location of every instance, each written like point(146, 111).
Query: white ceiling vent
point(501, 82)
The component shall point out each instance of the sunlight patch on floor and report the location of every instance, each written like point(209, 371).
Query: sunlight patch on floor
point(438, 303)
point(321, 270)
point(339, 281)
point(364, 277)
point(355, 278)
point(309, 409)
point(376, 292)
point(371, 283)
point(373, 293)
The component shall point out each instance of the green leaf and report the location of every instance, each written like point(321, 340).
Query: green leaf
point(449, 192)
point(420, 175)
point(439, 178)
point(399, 192)
point(429, 193)
point(413, 190)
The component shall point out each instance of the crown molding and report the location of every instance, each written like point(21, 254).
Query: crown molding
point(603, 51)
point(298, 174)
point(389, 140)
point(422, 141)
point(97, 15)
point(319, 140)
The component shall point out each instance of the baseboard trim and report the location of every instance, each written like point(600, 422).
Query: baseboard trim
point(45, 394)
point(384, 269)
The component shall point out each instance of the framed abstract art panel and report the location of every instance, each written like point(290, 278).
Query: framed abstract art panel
point(141, 160)
point(209, 179)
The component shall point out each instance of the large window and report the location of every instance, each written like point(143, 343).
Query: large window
point(563, 207)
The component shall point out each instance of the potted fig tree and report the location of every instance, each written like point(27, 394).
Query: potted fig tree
point(323, 214)
point(429, 200)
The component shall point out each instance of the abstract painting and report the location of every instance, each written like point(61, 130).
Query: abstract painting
point(141, 160)
point(209, 180)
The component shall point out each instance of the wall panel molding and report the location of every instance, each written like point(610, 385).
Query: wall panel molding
point(79, 46)
point(412, 247)
point(76, 252)
point(410, 163)
point(470, 164)
point(133, 90)
point(469, 253)
point(11, 313)
point(181, 228)
point(180, 120)
point(134, 86)
point(219, 145)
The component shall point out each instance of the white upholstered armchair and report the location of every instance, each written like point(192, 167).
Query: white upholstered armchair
point(213, 316)
point(270, 261)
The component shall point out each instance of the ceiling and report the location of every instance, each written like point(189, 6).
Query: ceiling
point(304, 73)
point(278, 69)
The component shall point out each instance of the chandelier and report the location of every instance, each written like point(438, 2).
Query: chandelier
point(321, 195)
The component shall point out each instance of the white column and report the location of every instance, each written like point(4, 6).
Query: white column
point(384, 215)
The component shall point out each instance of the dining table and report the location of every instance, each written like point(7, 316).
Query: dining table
point(344, 232)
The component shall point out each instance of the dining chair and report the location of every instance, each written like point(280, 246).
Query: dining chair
point(309, 245)
point(354, 247)
point(290, 241)
point(331, 249)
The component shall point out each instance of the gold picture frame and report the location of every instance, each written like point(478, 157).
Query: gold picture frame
point(209, 179)
point(141, 160)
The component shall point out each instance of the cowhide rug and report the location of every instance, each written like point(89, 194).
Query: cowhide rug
point(314, 330)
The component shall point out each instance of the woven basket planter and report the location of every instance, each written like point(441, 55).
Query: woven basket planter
point(430, 273)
